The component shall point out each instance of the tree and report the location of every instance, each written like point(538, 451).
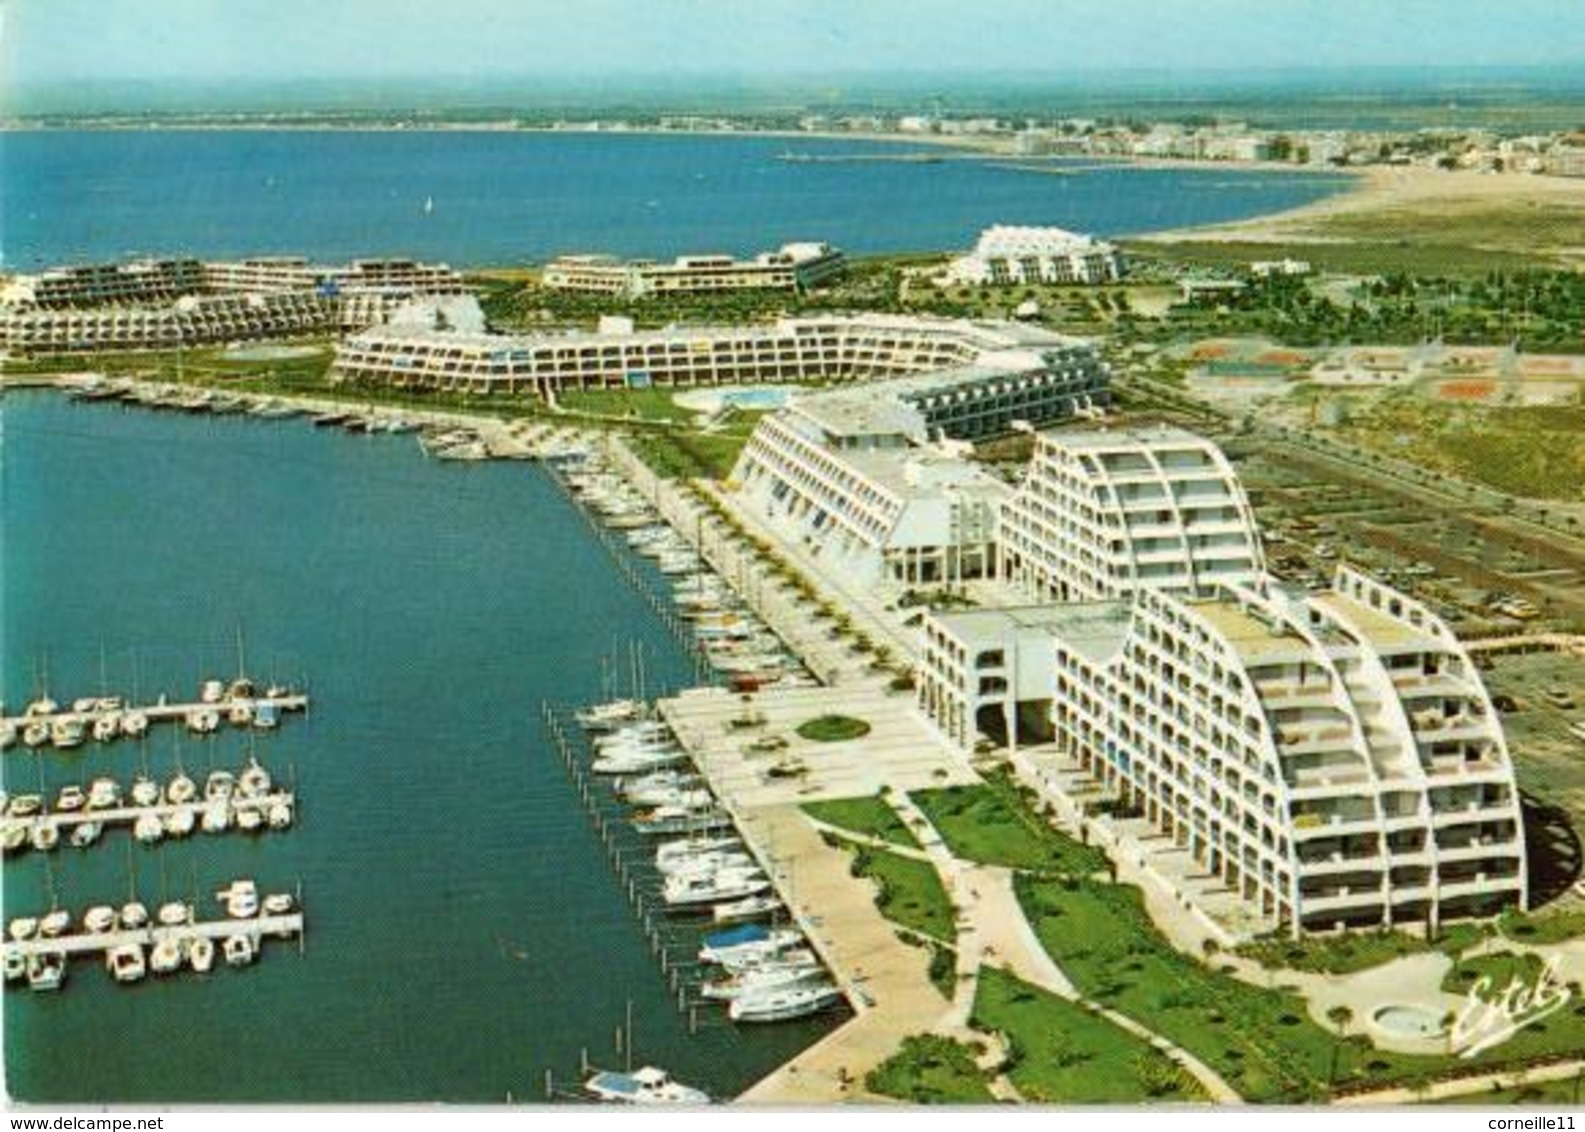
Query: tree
point(1341, 1017)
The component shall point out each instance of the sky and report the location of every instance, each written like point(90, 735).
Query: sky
point(61, 42)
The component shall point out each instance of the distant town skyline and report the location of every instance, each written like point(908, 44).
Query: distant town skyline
point(48, 43)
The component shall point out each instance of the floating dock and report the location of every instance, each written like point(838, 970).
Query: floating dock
point(15, 726)
point(287, 925)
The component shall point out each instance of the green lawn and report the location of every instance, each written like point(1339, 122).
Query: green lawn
point(1065, 1054)
point(1502, 968)
point(990, 824)
point(1544, 928)
point(870, 816)
point(833, 729)
point(909, 893)
point(1355, 951)
point(653, 404)
point(930, 1070)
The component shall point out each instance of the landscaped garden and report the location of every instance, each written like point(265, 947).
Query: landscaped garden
point(908, 892)
point(990, 824)
point(930, 1070)
point(868, 817)
point(1062, 1053)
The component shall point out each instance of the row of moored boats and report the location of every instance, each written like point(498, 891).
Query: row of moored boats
point(763, 972)
point(46, 722)
point(136, 943)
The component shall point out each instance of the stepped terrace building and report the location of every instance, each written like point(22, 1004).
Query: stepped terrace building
point(193, 320)
point(873, 477)
point(147, 282)
point(1008, 254)
point(1332, 757)
point(106, 284)
point(263, 274)
point(818, 349)
point(1101, 514)
point(793, 267)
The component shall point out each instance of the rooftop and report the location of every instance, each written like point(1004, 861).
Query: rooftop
point(1096, 630)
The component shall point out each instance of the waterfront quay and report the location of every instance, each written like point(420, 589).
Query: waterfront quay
point(286, 925)
point(761, 771)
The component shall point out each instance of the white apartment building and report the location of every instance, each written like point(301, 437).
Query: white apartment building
point(1006, 254)
point(262, 274)
point(106, 284)
point(1102, 514)
point(1332, 757)
point(192, 320)
point(792, 267)
point(826, 348)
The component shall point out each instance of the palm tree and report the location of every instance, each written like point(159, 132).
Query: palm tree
point(1341, 1017)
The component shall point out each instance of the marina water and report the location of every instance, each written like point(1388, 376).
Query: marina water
point(502, 198)
point(465, 931)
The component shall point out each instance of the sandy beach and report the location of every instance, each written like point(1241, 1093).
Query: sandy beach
point(1513, 212)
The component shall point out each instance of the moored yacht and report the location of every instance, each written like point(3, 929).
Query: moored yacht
point(783, 1003)
point(648, 1085)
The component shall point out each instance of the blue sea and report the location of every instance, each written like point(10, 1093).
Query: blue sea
point(465, 931)
point(504, 198)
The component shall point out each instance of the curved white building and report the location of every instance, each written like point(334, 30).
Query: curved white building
point(830, 348)
point(1103, 513)
point(1333, 758)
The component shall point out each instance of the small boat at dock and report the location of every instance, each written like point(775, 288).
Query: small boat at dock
point(783, 1004)
point(648, 1085)
point(748, 909)
point(126, 963)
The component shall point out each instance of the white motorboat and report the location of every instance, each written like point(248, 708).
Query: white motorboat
point(145, 791)
point(104, 794)
point(279, 816)
point(8, 735)
point(67, 731)
point(42, 706)
point(240, 714)
point(249, 820)
point(669, 820)
point(707, 864)
point(13, 834)
point(179, 823)
point(762, 980)
point(203, 721)
point(673, 851)
point(55, 923)
point(266, 716)
point(279, 903)
point(239, 950)
point(753, 961)
point(148, 829)
point(676, 797)
point(783, 1003)
point(638, 763)
point(745, 910)
point(16, 966)
point(23, 927)
point(212, 691)
point(36, 734)
point(70, 799)
point(107, 726)
point(254, 782)
point(46, 970)
point(125, 963)
point(166, 958)
point(134, 724)
point(241, 899)
point(45, 835)
point(181, 789)
point(220, 785)
point(750, 940)
point(644, 732)
point(686, 891)
point(24, 805)
point(174, 913)
point(99, 918)
point(133, 915)
point(201, 954)
point(658, 780)
point(85, 833)
point(217, 817)
point(648, 1085)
